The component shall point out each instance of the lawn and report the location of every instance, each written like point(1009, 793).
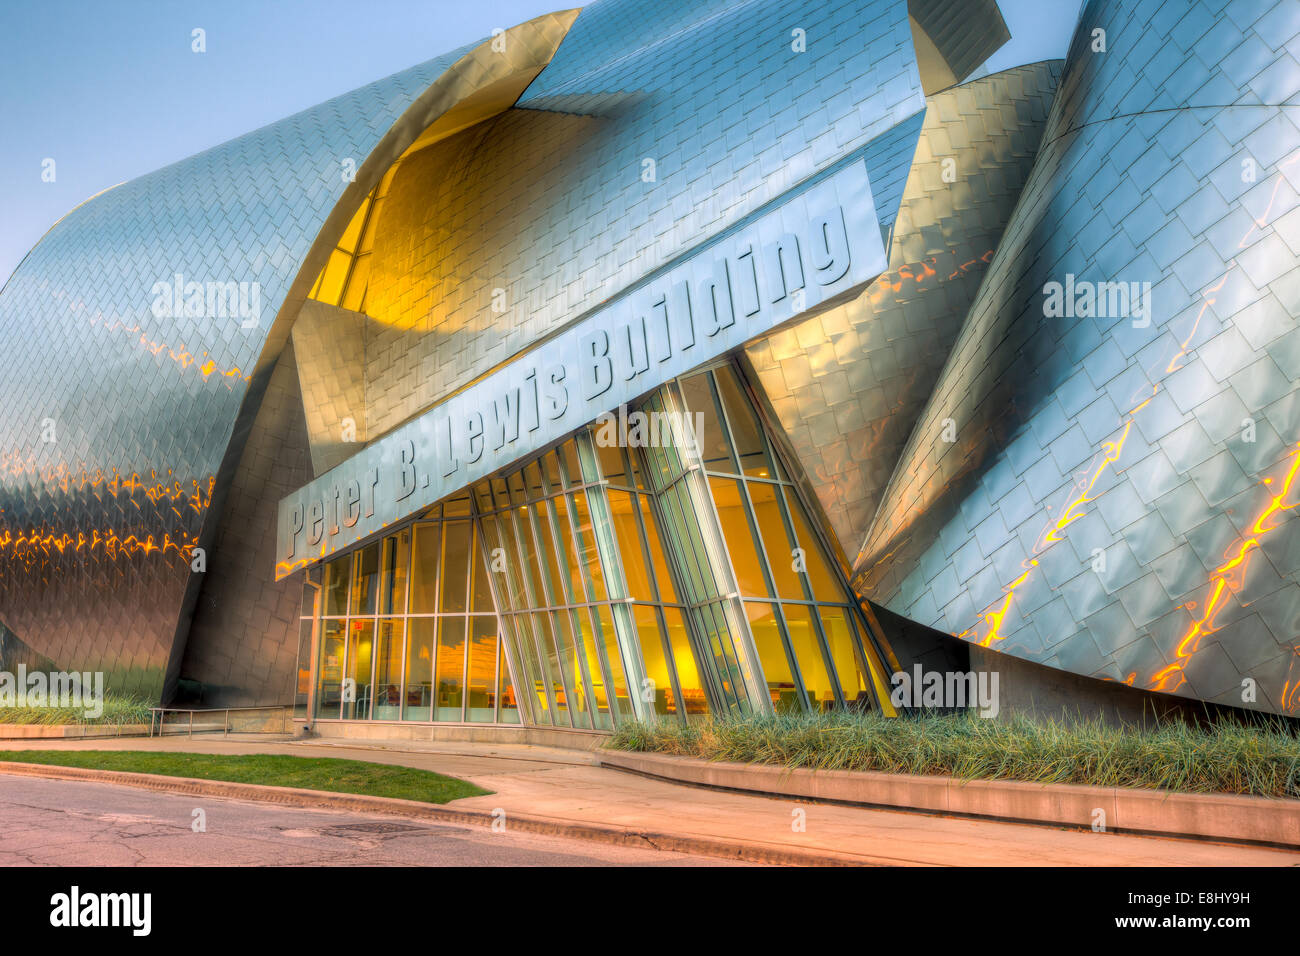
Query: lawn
point(275, 770)
point(1224, 757)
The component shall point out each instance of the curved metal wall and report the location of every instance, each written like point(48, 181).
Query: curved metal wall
point(1114, 496)
point(124, 425)
point(848, 385)
point(653, 129)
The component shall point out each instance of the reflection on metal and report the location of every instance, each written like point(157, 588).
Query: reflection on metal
point(1119, 492)
point(503, 234)
point(953, 39)
point(115, 380)
point(849, 385)
point(813, 249)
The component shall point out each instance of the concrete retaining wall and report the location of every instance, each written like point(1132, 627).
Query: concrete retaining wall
point(480, 733)
point(52, 731)
point(1222, 817)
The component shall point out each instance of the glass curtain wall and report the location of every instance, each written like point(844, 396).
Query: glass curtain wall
point(806, 628)
point(562, 591)
point(656, 563)
point(408, 630)
point(668, 443)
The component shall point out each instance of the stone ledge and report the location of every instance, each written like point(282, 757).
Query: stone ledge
point(1220, 817)
point(61, 731)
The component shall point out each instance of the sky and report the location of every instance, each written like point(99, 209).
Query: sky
point(112, 90)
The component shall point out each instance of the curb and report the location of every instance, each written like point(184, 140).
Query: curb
point(1229, 818)
point(745, 851)
point(71, 731)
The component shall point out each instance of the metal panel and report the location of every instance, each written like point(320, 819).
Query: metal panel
point(1192, 481)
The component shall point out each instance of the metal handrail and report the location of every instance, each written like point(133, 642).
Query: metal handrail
point(162, 711)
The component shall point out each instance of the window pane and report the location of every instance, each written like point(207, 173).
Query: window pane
point(483, 496)
point(569, 462)
point(509, 584)
point(455, 565)
point(336, 270)
point(718, 640)
point(551, 664)
point(698, 587)
point(688, 676)
point(302, 685)
point(776, 541)
point(697, 392)
point(507, 705)
point(554, 594)
point(595, 667)
point(771, 654)
point(336, 585)
point(365, 579)
point(482, 670)
point(551, 469)
point(609, 455)
point(451, 667)
point(655, 660)
point(532, 678)
point(329, 670)
point(310, 588)
point(356, 288)
point(417, 700)
point(533, 480)
point(657, 555)
point(825, 582)
point(348, 241)
point(840, 639)
point(388, 671)
point(745, 561)
point(361, 661)
point(579, 701)
point(746, 432)
point(609, 639)
point(635, 569)
point(532, 560)
point(587, 544)
point(392, 589)
point(568, 554)
point(803, 638)
point(424, 568)
point(481, 587)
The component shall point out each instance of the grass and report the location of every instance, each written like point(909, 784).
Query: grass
point(311, 773)
point(1223, 757)
point(118, 709)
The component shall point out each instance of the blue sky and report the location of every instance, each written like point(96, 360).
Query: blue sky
point(111, 91)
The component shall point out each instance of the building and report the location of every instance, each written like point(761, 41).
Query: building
point(721, 357)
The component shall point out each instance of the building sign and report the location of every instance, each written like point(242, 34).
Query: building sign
point(814, 249)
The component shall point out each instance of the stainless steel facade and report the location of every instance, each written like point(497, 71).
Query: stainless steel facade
point(1107, 494)
point(127, 413)
point(1110, 496)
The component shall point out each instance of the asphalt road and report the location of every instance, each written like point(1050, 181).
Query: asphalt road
point(71, 823)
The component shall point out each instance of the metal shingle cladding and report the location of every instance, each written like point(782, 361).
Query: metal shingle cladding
point(1140, 178)
point(142, 408)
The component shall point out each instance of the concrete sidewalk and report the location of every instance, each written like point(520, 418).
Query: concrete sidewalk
point(569, 789)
